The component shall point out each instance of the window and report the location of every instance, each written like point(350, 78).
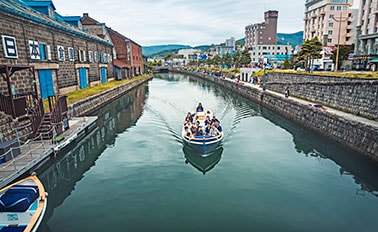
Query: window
point(338, 8)
point(330, 32)
point(96, 57)
point(60, 52)
point(331, 16)
point(82, 57)
point(332, 8)
point(71, 54)
point(329, 40)
point(345, 8)
point(90, 54)
point(330, 24)
point(45, 51)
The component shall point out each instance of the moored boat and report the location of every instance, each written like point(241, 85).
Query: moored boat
point(202, 142)
point(22, 205)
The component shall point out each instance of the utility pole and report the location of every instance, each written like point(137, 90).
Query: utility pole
point(340, 20)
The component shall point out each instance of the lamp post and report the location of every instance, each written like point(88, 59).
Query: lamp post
point(340, 20)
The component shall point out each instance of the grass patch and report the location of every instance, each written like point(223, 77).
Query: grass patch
point(90, 91)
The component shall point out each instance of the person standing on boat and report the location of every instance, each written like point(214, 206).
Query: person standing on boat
point(208, 128)
point(189, 118)
point(199, 108)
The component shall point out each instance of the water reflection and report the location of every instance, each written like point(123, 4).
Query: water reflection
point(203, 163)
point(60, 175)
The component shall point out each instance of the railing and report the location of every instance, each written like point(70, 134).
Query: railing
point(37, 116)
point(5, 104)
point(59, 113)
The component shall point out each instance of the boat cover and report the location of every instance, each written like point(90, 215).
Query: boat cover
point(18, 198)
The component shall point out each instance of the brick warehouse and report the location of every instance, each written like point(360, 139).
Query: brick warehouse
point(45, 54)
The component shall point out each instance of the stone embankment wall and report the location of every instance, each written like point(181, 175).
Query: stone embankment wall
point(353, 95)
point(356, 135)
point(95, 102)
point(21, 128)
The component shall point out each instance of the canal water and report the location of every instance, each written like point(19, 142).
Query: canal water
point(132, 172)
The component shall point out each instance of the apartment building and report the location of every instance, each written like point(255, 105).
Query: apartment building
point(262, 33)
point(329, 20)
point(366, 47)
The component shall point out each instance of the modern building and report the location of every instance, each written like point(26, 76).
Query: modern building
point(261, 41)
point(231, 43)
point(366, 48)
point(329, 20)
point(262, 33)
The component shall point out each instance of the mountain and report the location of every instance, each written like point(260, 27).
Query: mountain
point(293, 39)
point(149, 50)
point(160, 51)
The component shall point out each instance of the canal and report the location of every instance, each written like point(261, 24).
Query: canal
point(132, 172)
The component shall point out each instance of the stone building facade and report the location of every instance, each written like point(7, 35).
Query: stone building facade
point(43, 54)
point(65, 58)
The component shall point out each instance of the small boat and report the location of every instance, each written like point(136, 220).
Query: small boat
point(201, 143)
point(22, 205)
point(203, 163)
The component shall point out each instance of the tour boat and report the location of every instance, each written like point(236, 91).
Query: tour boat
point(203, 163)
point(22, 205)
point(201, 143)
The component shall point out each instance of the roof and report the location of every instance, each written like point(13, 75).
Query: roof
point(120, 64)
point(21, 9)
point(40, 3)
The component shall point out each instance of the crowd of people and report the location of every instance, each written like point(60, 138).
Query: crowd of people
point(200, 123)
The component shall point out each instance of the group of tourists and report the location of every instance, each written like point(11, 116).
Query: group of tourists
point(200, 123)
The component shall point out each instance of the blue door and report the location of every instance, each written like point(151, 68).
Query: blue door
point(46, 83)
point(103, 75)
point(83, 78)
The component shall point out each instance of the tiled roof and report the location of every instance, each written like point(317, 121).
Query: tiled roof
point(21, 9)
point(120, 64)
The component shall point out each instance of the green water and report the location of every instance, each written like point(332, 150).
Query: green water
point(132, 172)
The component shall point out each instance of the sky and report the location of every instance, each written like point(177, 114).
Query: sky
point(186, 22)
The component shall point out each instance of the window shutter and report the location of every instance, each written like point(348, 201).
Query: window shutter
point(48, 52)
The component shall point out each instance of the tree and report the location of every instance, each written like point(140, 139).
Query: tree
point(245, 58)
point(344, 52)
point(227, 60)
point(217, 60)
point(311, 49)
point(236, 59)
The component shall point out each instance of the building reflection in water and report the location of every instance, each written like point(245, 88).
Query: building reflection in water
point(60, 174)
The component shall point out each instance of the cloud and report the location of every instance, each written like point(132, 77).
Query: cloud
point(193, 22)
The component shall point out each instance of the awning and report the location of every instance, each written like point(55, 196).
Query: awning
point(120, 64)
point(374, 60)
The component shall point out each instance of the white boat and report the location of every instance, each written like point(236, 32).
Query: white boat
point(204, 144)
point(22, 205)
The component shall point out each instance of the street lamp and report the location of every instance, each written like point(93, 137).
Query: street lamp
point(340, 20)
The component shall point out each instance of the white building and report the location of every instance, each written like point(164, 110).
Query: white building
point(277, 51)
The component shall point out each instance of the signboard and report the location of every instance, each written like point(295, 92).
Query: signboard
point(9, 46)
point(34, 50)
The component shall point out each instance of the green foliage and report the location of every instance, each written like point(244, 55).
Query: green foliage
point(227, 59)
point(344, 52)
point(311, 49)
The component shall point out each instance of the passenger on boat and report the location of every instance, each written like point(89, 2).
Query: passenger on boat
point(218, 126)
point(214, 131)
point(189, 118)
point(187, 132)
point(207, 121)
point(214, 119)
point(199, 108)
point(207, 129)
point(199, 131)
point(193, 130)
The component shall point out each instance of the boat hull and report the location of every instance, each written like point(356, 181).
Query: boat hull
point(203, 146)
point(23, 204)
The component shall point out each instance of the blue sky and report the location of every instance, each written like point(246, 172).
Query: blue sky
point(189, 22)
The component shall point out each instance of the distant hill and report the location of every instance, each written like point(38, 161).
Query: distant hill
point(160, 51)
point(293, 39)
point(149, 50)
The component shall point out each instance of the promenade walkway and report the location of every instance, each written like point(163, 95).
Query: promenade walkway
point(311, 104)
point(36, 152)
